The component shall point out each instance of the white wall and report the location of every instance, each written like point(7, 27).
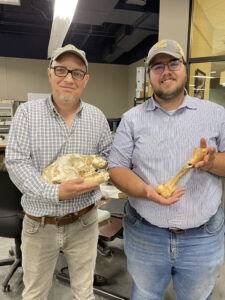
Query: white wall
point(173, 21)
point(107, 87)
point(22, 76)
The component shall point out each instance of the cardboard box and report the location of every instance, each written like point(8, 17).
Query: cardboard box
point(140, 75)
point(140, 79)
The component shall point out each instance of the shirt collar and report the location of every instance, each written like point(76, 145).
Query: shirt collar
point(53, 109)
point(189, 102)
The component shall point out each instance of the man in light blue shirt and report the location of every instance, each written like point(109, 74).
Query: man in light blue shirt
point(181, 237)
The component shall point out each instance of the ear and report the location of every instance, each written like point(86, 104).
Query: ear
point(49, 74)
point(86, 78)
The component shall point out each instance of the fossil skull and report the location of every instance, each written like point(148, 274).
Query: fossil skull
point(73, 166)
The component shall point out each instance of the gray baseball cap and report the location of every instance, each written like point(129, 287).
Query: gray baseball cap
point(69, 48)
point(169, 47)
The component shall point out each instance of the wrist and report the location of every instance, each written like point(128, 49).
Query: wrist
point(211, 167)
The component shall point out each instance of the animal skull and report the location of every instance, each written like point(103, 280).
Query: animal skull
point(73, 166)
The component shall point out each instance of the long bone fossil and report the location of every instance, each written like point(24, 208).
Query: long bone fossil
point(166, 189)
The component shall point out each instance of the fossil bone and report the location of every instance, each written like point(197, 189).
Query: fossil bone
point(166, 189)
point(73, 166)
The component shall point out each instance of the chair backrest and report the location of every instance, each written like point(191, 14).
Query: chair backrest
point(10, 197)
point(114, 123)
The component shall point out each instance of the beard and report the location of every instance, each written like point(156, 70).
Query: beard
point(169, 95)
point(67, 99)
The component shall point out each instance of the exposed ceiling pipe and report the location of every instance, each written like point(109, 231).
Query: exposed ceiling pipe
point(125, 40)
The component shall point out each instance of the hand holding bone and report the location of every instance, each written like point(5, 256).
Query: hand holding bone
point(166, 189)
point(208, 161)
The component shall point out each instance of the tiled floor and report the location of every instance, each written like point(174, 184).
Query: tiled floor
point(114, 268)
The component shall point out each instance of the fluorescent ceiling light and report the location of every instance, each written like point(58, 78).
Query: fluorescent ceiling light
point(136, 2)
point(200, 76)
point(65, 9)
point(62, 18)
point(10, 2)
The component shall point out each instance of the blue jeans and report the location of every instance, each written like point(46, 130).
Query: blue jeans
point(155, 255)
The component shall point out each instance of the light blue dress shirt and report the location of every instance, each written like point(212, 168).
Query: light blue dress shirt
point(38, 136)
point(155, 145)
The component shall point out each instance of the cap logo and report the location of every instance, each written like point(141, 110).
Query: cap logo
point(163, 44)
point(160, 44)
point(169, 47)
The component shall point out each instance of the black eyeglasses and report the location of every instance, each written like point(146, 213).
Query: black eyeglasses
point(173, 65)
point(63, 72)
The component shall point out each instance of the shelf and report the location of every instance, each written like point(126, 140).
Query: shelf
point(140, 100)
point(6, 105)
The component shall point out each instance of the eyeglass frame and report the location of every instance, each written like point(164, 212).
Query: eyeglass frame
point(167, 64)
point(69, 72)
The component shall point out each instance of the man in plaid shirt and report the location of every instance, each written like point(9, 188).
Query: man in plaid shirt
point(58, 216)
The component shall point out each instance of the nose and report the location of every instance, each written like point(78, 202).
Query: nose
point(166, 68)
point(68, 77)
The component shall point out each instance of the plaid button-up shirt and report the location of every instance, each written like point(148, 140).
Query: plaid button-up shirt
point(38, 136)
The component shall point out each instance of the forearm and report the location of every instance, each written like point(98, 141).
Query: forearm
point(218, 167)
point(128, 182)
point(30, 182)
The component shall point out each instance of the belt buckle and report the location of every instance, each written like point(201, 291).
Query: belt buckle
point(57, 220)
point(177, 230)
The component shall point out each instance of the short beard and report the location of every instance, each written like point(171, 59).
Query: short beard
point(170, 95)
point(67, 99)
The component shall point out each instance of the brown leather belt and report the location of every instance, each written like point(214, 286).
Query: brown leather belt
point(177, 230)
point(59, 221)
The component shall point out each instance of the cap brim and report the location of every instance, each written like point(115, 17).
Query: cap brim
point(176, 55)
point(70, 51)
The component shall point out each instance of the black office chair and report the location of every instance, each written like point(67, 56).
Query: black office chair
point(114, 123)
point(10, 223)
